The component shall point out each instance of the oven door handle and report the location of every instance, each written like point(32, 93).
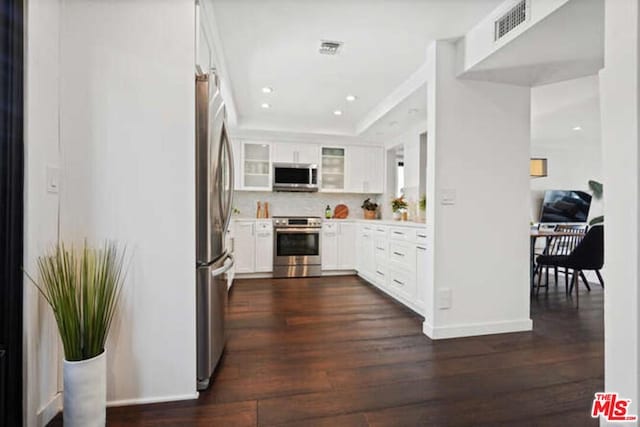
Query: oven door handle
point(298, 230)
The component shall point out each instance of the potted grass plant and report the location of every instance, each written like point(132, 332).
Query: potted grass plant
point(82, 287)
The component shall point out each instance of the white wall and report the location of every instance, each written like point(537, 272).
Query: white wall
point(574, 156)
point(410, 141)
point(41, 344)
point(478, 147)
point(619, 93)
point(127, 125)
point(298, 204)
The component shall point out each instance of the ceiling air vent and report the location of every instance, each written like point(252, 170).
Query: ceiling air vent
point(511, 20)
point(329, 47)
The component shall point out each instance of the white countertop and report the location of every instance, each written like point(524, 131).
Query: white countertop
point(391, 222)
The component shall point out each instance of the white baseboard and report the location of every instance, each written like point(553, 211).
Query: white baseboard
point(325, 273)
point(49, 410)
point(475, 329)
point(147, 400)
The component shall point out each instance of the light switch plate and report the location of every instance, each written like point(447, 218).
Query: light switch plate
point(448, 196)
point(53, 179)
point(444, 298)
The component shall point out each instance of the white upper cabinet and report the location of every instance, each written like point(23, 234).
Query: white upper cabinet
point(365, 169)
point(255, 166)
point(333, 169)
point(286, 152)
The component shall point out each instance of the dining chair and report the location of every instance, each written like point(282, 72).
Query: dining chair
point(558, 246)
point(587, 255)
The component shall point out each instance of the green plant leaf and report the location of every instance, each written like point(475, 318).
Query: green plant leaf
point(596, 189)
point(597, 220)
point(83, 289)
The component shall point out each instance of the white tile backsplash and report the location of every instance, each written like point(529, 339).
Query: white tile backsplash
point(297, 204)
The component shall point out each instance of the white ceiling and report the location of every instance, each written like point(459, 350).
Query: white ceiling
point(275, 43)
point(410, 112)
point(558, 108)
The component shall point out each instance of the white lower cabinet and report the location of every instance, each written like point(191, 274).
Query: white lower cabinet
point(338, 246)
point(253, 246)
point(393, 258)
point(264, 246)
point(423, 293)
point(347, 246)
point(397, 262)
point(329, 246)
point(365, 253)
point(244, 246)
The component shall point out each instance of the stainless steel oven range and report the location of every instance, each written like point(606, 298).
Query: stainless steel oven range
point(296, 246)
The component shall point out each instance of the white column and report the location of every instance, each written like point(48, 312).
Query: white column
point(619, 99)
point(477, 202)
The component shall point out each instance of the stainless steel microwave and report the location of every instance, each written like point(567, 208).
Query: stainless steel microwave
point(295, 177)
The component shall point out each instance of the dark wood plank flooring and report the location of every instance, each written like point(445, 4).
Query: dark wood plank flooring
point(336, 352)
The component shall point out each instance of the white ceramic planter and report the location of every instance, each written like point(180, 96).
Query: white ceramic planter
point(85, 392)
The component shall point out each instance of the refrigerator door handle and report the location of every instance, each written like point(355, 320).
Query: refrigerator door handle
point(231, 172)
point(228, 263)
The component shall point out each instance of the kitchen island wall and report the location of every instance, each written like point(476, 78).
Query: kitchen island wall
point(298, 204)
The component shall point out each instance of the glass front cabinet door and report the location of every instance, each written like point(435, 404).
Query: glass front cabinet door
point(256, 166)
point(333, 169)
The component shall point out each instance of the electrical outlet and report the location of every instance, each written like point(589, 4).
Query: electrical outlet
point(444, 299)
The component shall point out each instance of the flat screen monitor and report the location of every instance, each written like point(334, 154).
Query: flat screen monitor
point(565, 206)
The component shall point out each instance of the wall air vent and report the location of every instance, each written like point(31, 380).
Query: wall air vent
point(329, 47)
point(511, 20)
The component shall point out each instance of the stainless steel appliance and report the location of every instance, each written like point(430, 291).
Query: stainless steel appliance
point(296, 246)
point(214, 197)
point(295, 177)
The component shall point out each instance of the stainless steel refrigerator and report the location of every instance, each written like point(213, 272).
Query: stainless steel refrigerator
point(214, 198)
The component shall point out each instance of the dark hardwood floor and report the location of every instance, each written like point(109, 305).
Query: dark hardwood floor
point(336, 352)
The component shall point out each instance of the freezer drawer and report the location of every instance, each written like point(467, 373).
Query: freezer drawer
point(211, 297)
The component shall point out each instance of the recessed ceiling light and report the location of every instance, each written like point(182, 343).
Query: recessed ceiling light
point(351, 98)
point(265, 105)
point(267, 89)
point(577, 128)
point(337, 112)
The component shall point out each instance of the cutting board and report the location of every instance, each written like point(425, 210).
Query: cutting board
point(341, 212)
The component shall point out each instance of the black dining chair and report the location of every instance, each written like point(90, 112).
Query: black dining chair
point(587, 255)
point(561, 245)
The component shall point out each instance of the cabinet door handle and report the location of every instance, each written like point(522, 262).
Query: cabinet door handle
point(400, 233)
point(380, 272)
point(421, 248)
point(398, 253)
point(422, 235)
point(398, 282)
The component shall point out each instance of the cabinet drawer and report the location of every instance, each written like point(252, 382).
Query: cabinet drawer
point(402, 282)
point(381, 231)
point(380, 275)
point(403, 254)
point(264, 226)
point(330, 228)
point(421, 236)
point(401, 233)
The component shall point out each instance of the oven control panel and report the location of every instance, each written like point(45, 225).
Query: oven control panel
point(297, 222)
